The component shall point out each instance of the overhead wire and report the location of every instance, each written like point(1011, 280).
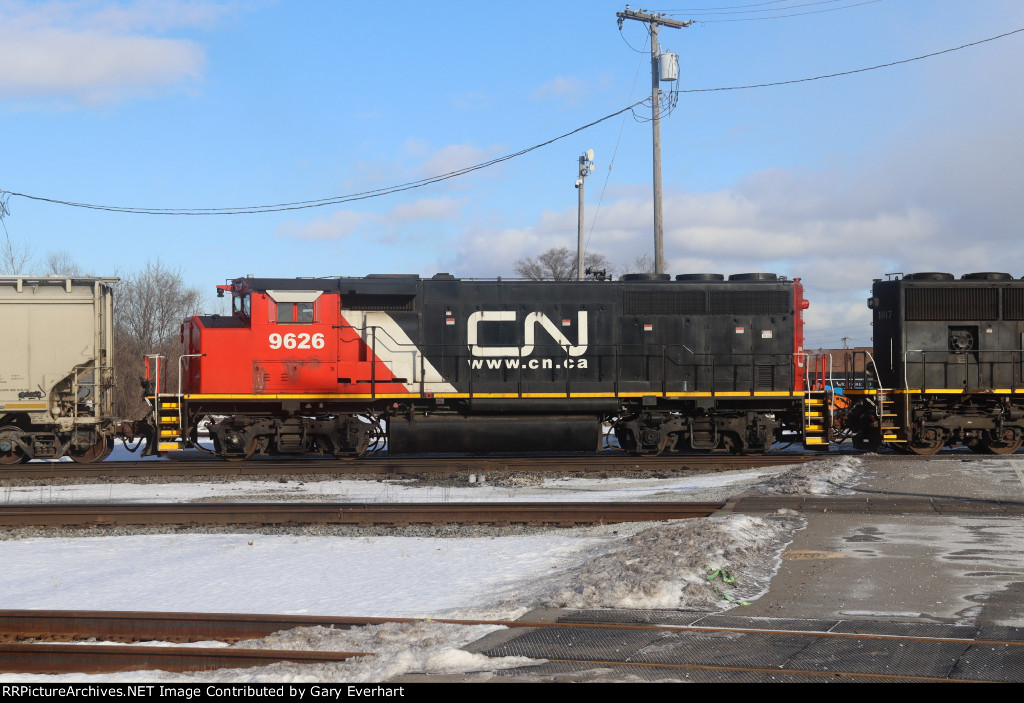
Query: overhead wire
point(777, 17)
point(729, 7)
point(5, 195)
point(615, 151)
point(856, 70)
point(305, 204)
point(737, 10)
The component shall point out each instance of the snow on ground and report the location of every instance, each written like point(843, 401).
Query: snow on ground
point(710, 564)
point(825, 477)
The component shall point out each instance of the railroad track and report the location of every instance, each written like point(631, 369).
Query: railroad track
point(392, 514)
point(194, 465)
point(93, 515)
point(535, 641)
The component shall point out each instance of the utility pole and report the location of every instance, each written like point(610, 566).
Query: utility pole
point(654, 21)
point(586, 166)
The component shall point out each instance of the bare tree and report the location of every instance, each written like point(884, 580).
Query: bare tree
point(149, 309)
point(61, 263)
point(14, 258)
point(558, 264)
point(642, 264)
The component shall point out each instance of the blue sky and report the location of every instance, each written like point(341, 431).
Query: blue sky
point(206, 104)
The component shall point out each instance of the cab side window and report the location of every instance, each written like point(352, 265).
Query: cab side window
point(295, 312)
point(240, 303)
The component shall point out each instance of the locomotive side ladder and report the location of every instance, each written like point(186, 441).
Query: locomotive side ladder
point(888, 417)
point(817, 418)
point(166, 408)
point(817, 409)
point(892, 428)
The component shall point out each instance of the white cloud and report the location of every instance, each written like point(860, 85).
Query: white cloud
point(425, 209)
point(455, 157)
point(339, 225)
point(569, 90)
point(389, 225)
point(98, 52)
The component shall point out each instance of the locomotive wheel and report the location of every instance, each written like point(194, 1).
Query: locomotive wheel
point(1002, 448)
point(253, 447)
point(1005, 445)
point(14, 454)
point(927, 442)
point(924, 449)
point(97, 451)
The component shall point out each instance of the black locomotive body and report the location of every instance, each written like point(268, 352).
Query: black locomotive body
point(462, 365)
point(948, 362)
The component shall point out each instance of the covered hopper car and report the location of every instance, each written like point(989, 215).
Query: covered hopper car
point(56, 373)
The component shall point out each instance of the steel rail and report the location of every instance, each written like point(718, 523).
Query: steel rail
point(93, 515)
point(776, 671)
point(881, 504)
point(179, 627)
point(102, 658)
point(57, 515)
point(137, 626)
point(384, 465)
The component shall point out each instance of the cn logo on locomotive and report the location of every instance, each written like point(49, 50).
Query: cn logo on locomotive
point(529, 333)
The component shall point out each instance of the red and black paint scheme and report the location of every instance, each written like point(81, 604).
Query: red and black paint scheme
point(341, 365)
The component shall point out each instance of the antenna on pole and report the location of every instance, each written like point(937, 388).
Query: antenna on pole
point(586, 166)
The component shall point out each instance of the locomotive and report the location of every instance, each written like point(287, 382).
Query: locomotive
point(343, 366)
point(340, 365)
point(946, 367)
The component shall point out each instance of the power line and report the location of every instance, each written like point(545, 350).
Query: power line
point(305, 204)
point(856, 70)
point(780, 9)
point(730, 7)
point(737, 11)
point(5, 195)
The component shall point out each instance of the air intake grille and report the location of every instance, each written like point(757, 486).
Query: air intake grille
point(952, 303)
point(377, 303)
point(642, 302)
point(751, 302)
point(1013, 303)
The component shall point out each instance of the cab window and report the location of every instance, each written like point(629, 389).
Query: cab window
point(295, 312)
point(240, 303)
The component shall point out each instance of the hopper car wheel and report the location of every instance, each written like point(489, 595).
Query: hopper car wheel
point(97, 451)
point(13, 453)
